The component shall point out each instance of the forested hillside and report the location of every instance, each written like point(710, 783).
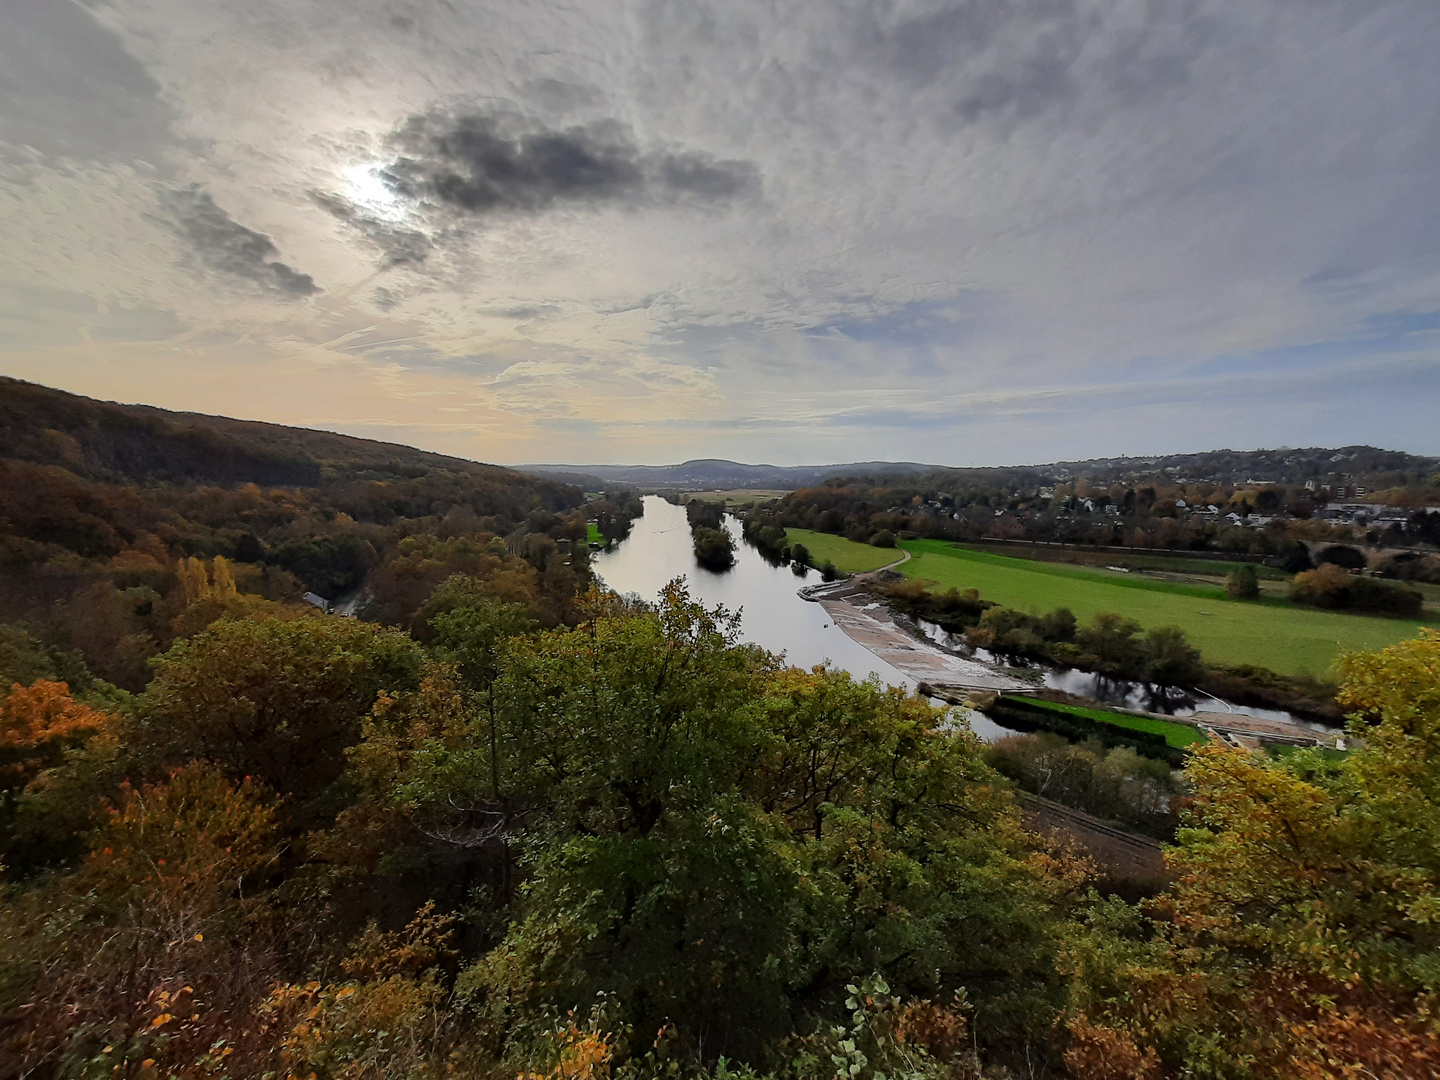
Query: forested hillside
point(100, 503)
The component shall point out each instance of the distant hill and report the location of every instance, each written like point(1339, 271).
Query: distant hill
point(1365, 466)
point(716, 473)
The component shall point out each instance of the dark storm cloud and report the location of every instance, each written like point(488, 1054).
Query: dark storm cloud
point(223, 244)
point(69, 89)
point(484, 163)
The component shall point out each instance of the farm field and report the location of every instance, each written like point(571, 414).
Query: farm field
point(848, 556)
point(1273, 634)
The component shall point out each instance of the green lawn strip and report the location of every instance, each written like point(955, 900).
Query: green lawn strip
point(1270, 633)
point(595, 537)
point(848, 556)
point(1177, 735)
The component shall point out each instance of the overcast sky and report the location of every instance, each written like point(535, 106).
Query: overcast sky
point(974, 231)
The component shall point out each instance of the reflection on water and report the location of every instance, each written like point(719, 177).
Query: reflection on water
point(772, 615)
point(1121, 693)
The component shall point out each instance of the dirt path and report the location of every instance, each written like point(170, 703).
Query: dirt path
point(902, 560)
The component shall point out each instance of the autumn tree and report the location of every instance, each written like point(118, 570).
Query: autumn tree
point(37, 724)
point(273, 698)
point(1300, 938)
point(171, 934)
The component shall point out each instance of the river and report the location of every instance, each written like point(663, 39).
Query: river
point(772, 616)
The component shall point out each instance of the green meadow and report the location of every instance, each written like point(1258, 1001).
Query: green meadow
point(1270, 633)
point(1177, 735)
point(848, 556)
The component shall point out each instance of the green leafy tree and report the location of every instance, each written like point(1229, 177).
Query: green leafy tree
point(1170, 659)
point(714, 548)
point(276, 699)
point(1111, 644)
point(718, 841)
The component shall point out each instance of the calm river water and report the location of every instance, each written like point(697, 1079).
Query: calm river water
point(774, 617)
point(771, 614)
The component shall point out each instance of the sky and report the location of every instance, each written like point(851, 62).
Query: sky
point(642, 231)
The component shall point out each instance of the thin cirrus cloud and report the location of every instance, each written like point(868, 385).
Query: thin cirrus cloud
point(954, 230)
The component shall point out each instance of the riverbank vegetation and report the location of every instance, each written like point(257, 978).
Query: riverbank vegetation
point(612, 515)
point(1110, 645)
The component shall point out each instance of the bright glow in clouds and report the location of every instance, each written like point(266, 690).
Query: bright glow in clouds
point(369, 191)
point(956, 231)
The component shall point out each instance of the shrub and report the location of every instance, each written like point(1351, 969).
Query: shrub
point(1411, 566)
point(883, 539)
point(1328, 586)
point(1243, 583)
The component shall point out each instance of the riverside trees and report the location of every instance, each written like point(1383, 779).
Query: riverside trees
point(714, 547)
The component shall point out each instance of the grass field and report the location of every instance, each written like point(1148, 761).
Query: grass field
point(1134, 559)
point(1272, 633)
point(595, 537)
point(848, 556)
point(1177, 735)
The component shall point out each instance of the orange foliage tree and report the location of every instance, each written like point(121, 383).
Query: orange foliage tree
point(37, 723)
